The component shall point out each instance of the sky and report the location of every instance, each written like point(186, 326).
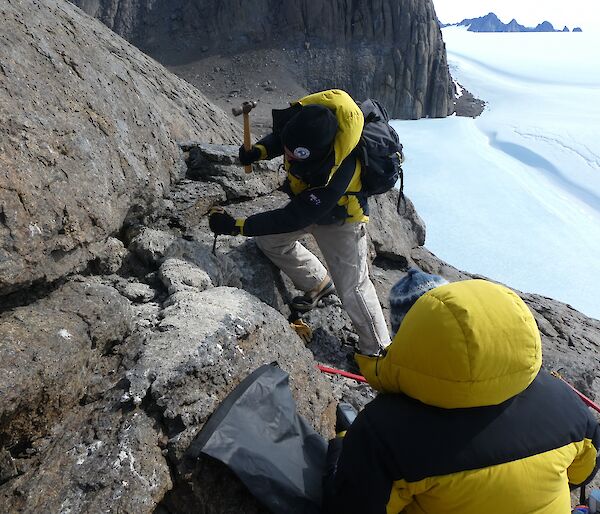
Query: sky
point(572, 13)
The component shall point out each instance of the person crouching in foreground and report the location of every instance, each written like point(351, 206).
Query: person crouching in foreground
point(317, 136)
point(467, 422)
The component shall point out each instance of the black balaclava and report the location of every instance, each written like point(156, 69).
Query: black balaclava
point(310, 134)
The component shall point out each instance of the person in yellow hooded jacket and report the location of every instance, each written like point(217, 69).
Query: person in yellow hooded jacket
point(317, 136)
point(466, 422)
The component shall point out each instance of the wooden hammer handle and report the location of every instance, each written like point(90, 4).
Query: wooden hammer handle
point(247, 143)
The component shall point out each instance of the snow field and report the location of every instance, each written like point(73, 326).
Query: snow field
point(515, 194)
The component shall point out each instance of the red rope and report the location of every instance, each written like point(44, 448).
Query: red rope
point(333, 371)
point(584, 398)
point(360, 378)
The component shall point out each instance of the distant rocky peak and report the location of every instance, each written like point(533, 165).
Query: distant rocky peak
point(491, 16)
point(545, 26)
point(491, 23)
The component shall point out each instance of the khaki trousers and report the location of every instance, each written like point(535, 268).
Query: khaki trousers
point(345, 250)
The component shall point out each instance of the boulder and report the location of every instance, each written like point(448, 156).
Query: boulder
point(103, 419)
point(205, 344)
point(100, 459)
point(189, 200)
point(90, 138)
point(220, 164)
point(570, 342)
point(151, 246)
point(394, 234)
point(179, 275)
point(48, 354)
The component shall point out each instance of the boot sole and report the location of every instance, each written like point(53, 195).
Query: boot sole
point(303, 304)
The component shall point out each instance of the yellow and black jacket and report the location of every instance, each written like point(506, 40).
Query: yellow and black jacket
point(324, 193)
point(466, 423)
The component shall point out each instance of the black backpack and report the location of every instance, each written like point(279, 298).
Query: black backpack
point(379, 151)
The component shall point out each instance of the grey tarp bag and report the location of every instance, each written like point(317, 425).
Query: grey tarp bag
point(258, 434)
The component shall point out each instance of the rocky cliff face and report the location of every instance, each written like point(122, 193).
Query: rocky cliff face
point(107, 375)
point(390, 49)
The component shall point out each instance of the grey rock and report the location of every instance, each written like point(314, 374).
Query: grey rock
point(48, 351)
point(151, 246)
point(221, 269)
point(391, 50)
point(91, 138)
point(178, 275)
point(136, 291)
point(468, 105)
point(206, 343)
point(333, 336)
point(239, 257)
point(570, 342)
point(220, 164)
point(394, 234)
point(108, 255)
point(201, 156)
point(430, 263)
point(8, 468)
point(258, 275)
point(100, 460)
point(190, 200)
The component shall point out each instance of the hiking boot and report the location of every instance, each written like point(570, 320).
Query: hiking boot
point(310, 299)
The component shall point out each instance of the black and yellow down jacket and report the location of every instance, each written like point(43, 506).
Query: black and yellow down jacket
point(324, 194)
point(467, 423)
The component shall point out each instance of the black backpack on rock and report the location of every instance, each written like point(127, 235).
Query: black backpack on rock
point(379, 151)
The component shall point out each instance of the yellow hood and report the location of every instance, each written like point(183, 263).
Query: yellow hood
point(349, 117)
point(465, 344)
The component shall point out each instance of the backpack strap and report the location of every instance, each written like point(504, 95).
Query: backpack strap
point(401, 193)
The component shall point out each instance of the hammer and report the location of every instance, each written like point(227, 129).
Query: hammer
point(245, 109)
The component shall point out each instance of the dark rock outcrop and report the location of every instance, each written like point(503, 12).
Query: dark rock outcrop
point(491, 23)
point(545, 26)
point(88, 138)
point(391, 50)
